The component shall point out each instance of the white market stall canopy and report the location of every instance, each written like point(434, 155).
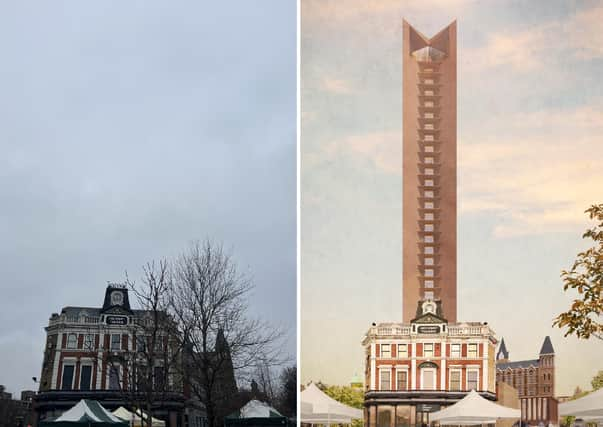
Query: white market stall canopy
point(257, 409)
point(590, 406)
point(318, 408)
point(128, 416)
point(473, 409)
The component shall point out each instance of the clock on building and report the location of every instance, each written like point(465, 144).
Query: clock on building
point(117, 298)
point(429, 307)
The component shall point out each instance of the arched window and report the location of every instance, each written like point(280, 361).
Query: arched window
point(71, 341)
point(428, 375)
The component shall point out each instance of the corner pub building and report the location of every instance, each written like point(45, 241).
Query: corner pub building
point(419, 367)
point(79, 345)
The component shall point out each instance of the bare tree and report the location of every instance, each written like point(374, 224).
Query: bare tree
point(147, 370)
point(156, 353)
point(210, 305)
point(265, 380)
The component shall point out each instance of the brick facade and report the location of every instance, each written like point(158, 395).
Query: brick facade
point(534, 381)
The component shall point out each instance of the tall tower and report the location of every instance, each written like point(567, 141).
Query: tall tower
point(429, 170)
point(546, 362)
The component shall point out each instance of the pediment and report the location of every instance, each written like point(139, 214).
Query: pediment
point(119, 310)
point(428, 319)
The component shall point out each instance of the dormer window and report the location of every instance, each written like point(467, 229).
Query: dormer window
point(117, 298)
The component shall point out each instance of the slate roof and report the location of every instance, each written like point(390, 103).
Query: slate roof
point(547, 346)
point(75, 311)
point(519, 364)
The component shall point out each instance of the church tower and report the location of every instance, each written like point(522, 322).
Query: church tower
point(546, 362)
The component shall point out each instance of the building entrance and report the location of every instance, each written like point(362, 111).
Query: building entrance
point(422, 419)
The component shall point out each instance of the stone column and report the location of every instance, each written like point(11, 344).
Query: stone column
point(372, 416)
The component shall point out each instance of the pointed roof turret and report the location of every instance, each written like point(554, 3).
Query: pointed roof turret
point(547, 347)
point(221, 343)
point(503, 353)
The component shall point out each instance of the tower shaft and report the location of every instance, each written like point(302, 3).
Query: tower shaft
point(429, 170)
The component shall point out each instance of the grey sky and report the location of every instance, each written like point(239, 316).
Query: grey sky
point(128, 129)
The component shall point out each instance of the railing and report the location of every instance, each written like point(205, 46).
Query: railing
point(390, 330)
point(467, 330)
point(394, 330)
point(73, 319)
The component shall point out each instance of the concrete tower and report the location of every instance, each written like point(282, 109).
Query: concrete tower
point(429, 170)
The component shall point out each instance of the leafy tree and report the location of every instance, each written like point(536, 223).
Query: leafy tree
point(583, 319)
point(578, 393)
point(347, 395)
point(597, 381)
point(350, 396)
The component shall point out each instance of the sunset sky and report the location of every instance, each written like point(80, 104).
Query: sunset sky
point(530, 120)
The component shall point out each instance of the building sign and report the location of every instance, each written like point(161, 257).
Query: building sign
point(117, 320)
point(429, 329)
point(427, 407)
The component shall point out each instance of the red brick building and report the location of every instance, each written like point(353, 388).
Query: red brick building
point(534, 381)
point(88, 354)
point(412, 369)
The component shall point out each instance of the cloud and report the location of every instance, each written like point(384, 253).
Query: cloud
point(352, 12)
point(580, 37)
point(381, 149)
point(337, 86)
point(539, 176)
point(536, 177)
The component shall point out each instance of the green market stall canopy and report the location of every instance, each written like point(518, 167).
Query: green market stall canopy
point(86, 413)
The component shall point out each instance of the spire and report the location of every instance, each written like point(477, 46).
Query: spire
point(547, 347)
point(503, 353)
point(221, 343)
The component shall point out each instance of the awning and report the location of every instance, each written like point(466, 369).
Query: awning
point(318, 408)
point(473, 409)
point(590, 405)
point(86, 413)
point(128, 416)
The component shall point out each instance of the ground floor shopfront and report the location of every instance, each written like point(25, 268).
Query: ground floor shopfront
point(408, 409)
point(170, 407)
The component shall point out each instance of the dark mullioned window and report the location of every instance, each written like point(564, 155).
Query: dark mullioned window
point(67, 380)
point(85, 377)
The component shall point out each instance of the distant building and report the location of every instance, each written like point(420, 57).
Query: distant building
point(419, 367)
point(88, 355)
point(356, 382)
point(4, 395)
point(534, 381)
point(27, 395)
point(15, 412)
